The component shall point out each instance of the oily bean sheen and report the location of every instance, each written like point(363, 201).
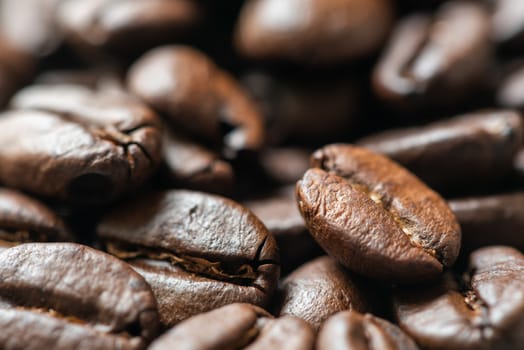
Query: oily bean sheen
point(484, 309)
point(186, 86)
point(238, 326)
point(458, 152)
point(350, 330)
point(319, 289)
point(193, 166)
point(426, 64)
point(192, 247)
point(24, 219)
point(68, 296)
point(126, 24)
point(375, 217)
point(73, 144)
point(304, 32)
point(491, 220)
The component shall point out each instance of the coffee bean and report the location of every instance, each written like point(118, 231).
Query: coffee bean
point(279, 213)
point(187, 87)
point(375, 217)
point(68, 296)
point(476, 148)
point(426, 66)
point(484, 309)
point(71, 143)
point(192, 247)
point(490, 220)
point(319, 289)
point(24, 219)
point(353, 330)
point(306, 33)
point(193, 166)
point(238, 326)
point(509, 88)
point(127, 25)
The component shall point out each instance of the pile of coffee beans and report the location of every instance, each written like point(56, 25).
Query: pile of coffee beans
point(262, 174)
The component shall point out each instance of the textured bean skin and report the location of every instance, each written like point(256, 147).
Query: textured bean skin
point(191, 247)
point(375, 217)
point(484, 309)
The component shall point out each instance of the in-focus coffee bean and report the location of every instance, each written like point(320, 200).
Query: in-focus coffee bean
point(197, 251)
point(375, 217)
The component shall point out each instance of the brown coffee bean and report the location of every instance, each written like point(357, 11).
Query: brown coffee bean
point(187, 87)
point(197, 251)
point(312, 32)
point(71, 143)
point(68, 296)
point(490, 220)
point(482, 310)
point(509, 88)
point(353, 330)
point(193, 166)
point(375, 217)
point(279, 212)
point(127, 25)
point(24, 219)
point(476, 148)
point(238, 326)
point(427, 65)
point(319, 289)
point(16, 68)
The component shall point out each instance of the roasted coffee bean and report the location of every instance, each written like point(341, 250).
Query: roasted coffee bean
point(312, 32)
point(490, 220)
point(187, 87)
point(15, 68)
point(319, 289)
point(352, 330)
point(285, 165)
point(193, 166)
point(508, 23)
point(476, 148)
point(426, 63)
point(375, 217)
point(279, 213)
point(238, 326)
point(30, 25)
point(68, 296)
point(192, 247)
point(292, 106)
point(484, 309)
point(24, 219)
point(71, 143)
point(127, 25)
